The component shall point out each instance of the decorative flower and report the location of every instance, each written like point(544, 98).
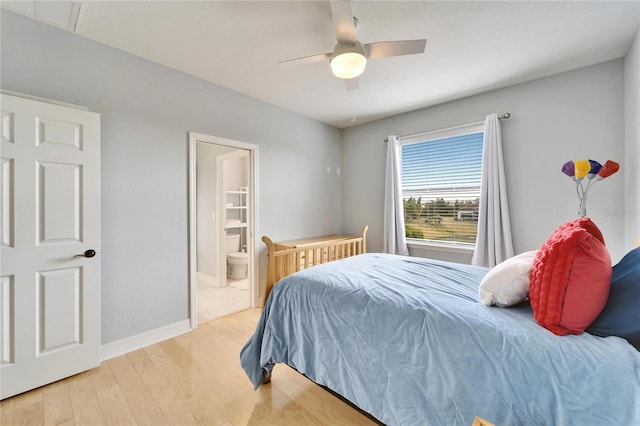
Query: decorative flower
point(609, 168)
point(594, 172)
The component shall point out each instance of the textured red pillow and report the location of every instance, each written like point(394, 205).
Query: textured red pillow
point(570, 278)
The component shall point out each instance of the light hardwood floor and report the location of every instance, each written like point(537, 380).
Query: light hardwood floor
point(191, 379)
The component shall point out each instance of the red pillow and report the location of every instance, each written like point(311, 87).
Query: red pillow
point(570, 278)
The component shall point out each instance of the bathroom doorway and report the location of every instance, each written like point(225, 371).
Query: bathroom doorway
point(222, 203)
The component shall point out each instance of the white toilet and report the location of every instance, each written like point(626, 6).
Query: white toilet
point(237, 261)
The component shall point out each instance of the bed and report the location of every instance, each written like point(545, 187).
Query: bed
point(406, 340)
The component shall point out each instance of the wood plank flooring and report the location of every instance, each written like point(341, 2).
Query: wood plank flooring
point(193, 379)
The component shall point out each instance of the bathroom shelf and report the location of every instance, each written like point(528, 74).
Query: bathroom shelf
point(238, 209)
point(236, 225)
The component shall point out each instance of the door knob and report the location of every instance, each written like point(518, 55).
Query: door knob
point(87, 253)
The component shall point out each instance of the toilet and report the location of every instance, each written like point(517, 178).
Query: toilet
point(237, 261)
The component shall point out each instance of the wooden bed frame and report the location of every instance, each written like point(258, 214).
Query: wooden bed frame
point(282, 262)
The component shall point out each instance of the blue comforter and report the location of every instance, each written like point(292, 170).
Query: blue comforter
point(406, 340)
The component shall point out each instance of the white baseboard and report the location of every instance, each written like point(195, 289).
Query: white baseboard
point(132, 343)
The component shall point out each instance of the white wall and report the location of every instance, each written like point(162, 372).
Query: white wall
point(236, 173)
point(574, 115)
point(146, 111)
point(632, 141)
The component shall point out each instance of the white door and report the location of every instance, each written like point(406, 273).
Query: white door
point(50, 240)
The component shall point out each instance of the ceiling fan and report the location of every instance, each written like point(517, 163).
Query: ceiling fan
point(349, 57)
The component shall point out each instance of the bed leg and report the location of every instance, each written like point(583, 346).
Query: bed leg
point(267, 380)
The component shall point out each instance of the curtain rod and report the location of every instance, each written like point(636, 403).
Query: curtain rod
point(504, 116)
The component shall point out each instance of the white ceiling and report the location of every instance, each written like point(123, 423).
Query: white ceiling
point(472, 46)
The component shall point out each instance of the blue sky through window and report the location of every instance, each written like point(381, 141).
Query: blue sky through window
point(446, 168)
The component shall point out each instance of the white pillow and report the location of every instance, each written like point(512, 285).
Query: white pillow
point(508, 282)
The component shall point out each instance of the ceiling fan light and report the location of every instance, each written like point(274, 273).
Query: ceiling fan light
point(348, 65)
point(348, 59)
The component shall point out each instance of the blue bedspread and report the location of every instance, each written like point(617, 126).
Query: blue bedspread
point(407, 340)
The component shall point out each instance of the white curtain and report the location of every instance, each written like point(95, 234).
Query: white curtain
point(494, 243)
point(394, 240)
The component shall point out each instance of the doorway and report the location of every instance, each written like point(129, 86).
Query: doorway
point(223, 195)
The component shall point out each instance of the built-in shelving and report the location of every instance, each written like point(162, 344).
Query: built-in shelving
point(236, 206)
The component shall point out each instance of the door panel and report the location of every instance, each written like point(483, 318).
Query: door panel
point(58, 308)
point(58, 195)
point(50, 214)
point(6, 320)
point(6, 203)
point(6, 127)
point(58, 132)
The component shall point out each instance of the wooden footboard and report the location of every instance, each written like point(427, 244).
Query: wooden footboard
point(283, 262)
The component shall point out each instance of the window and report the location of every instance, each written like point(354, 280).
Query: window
point(441, 186)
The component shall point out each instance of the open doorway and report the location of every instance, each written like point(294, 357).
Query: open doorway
point(223, 194)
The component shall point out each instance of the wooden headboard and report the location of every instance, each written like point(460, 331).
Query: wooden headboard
point(283, 261)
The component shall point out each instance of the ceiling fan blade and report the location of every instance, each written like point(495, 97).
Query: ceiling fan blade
point(306, 59)
point(383, 49)
point(351, 83)
point(342, 17)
